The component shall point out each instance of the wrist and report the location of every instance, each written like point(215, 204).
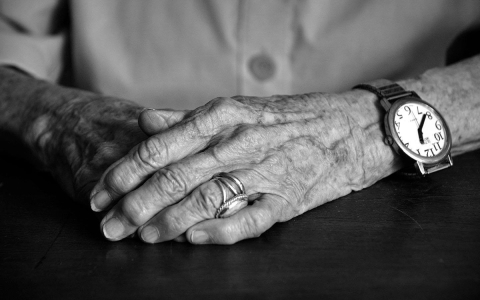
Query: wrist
point(379, 159)
point(426, 144)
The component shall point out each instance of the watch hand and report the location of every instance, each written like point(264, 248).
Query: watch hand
point(420, 132)
point(415, 118)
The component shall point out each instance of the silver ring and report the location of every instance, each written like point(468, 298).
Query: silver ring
point(232, 206)
point(234, 179)
point(237, 202)
point(222, 188)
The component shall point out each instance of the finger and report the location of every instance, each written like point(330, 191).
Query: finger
point(202, 204)
point(143, 160)
point(101, 200)
point(174, 182)
point(187, 137)
point(153, 121)
point(164, 188)
point(181, 239)
point(250, 222)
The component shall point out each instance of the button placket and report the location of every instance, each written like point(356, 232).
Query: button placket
point(266, 39)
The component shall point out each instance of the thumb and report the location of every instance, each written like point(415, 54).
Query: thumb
point(249, 222)
point(153, 121)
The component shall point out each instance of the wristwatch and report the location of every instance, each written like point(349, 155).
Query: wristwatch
point(414, 128)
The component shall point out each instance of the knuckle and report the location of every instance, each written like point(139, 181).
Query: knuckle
point(117, 181)
point(249, 135)
point(277, 164)
point(227, 110)
point(223, 105)
point(134, 211)
point(150, 153)
point(172, 224)
point(217, 113)
point(246, 143)
point(207, 198)
point(171, 181)
point(254, 224)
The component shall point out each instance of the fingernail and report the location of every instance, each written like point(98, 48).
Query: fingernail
point(149, 234)
point(147, 108)
point(199, 237)
point(113, 229)
point(100, 200)
point(93, 207)
point(93, 193)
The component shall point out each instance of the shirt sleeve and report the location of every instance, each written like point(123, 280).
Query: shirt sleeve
point(33, 36)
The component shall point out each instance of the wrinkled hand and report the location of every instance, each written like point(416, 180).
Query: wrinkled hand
point(82, 138)
point(73, 134)
point(292, 153)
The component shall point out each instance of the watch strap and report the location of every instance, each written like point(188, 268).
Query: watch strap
point(425, 169)
point(387, 94)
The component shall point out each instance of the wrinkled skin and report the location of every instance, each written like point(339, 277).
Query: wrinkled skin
point(75, 135)
point(92, 135)
point(292, 153)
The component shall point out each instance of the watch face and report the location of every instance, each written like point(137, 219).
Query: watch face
point(420, 129)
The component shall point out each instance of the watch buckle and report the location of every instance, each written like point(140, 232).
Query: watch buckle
point(425, 169)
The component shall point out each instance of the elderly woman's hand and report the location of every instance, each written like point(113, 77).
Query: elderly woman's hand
point(292, 153)
point(73, 134)
point(82, 138)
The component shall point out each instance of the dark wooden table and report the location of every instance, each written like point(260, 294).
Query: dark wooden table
point(400, 239)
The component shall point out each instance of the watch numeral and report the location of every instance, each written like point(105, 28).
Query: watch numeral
point(438, 125)
point(429, 115)
point(398, 125)
point(408, 109)
point(418, 110)
point(437, 146)
point(418, 151)
point(438, 136)
point(428, 151)
point(399, 115)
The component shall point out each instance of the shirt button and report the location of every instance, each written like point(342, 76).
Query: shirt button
point(262, 67)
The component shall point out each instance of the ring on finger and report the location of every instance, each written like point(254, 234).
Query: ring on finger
point(232, 206)
point(221, 182)
point(237, 202)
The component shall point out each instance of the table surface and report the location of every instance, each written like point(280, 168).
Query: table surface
point(402, 238)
